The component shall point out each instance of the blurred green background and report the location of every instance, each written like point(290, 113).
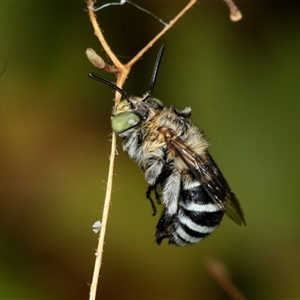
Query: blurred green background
point(242, 82)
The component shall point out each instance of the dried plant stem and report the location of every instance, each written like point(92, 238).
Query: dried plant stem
point(99, 253)
point(218, 271)
point(100, 36)
point(123, 71)
point(171, 23)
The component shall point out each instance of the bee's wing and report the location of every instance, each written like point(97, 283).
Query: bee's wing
point(209, 175)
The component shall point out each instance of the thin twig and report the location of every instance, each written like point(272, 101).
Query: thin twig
point(101, 38)
point(122, 75)
point(219, 273)
point(171, 23)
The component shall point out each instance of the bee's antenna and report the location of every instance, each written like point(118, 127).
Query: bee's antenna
point(109, 83)
point(155, 71)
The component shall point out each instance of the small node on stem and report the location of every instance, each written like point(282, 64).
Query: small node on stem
point(235, 13)
point(98, 62)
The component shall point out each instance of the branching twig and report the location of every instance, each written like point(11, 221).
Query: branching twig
point(171, 23)
point(123, 71)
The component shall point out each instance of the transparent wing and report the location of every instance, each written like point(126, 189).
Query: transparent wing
point(209, 175)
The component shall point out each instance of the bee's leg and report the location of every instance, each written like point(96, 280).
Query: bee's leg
point(171, 194)
point(131, 145)
point(148, 196)
point(157, 196)
point(160, 238)
point(162, 227)
point(154, 166)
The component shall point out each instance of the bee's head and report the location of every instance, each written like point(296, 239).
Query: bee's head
point(132, 110)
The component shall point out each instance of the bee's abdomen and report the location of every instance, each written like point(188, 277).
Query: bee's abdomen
point(197, 217)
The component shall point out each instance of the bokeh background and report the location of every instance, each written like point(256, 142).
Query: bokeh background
point(242, 82)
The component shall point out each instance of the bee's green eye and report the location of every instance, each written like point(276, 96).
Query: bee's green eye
point(157, 101)
point(124, 121)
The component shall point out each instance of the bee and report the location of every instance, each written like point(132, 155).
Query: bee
point(172, 154)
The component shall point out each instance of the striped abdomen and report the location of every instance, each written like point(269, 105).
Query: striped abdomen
point(197, 217)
